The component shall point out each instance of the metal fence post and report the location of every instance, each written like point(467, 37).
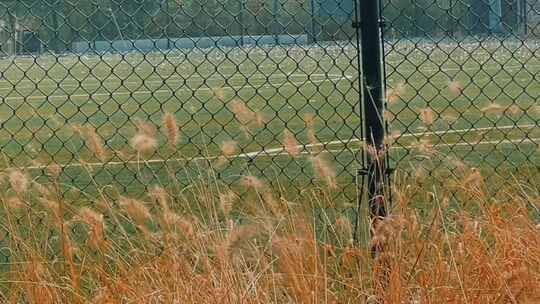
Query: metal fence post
point(372, 73)
point(275, 15)
point(313, 24)
point(241, 21)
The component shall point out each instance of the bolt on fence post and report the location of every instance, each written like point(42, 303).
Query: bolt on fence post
point(373, 103)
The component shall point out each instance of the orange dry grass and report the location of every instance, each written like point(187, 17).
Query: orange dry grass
point(171, 129)
point(209, 244)
point(486, 252)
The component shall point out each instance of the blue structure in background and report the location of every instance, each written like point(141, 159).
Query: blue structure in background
point(338, 9)
point(328, 17)
point(498, 16)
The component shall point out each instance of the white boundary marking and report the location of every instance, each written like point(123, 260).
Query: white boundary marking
point(535, 140)
point(266, 85)
point(162, 80)
point(445, 132)
point(280, 151)
point(395, 68)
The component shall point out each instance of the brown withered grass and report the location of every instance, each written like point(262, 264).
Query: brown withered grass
point(93, 141)
point(214, 245)
point(486, 252)
point(171, 129)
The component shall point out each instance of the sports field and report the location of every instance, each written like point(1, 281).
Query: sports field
point(483, 96)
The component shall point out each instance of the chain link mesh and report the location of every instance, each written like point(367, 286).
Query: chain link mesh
point(463, 87)
point(78, 75)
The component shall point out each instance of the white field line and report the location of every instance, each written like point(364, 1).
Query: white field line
point(280, 151)
point(265, 85)
point(172, 92)
point(533, 141)
point(395, 68)
point(393, 65)
point(419, 134)
point(64, 83)
point(150, 79)
point(445, 132)
point(163, 80)
point(276, 152)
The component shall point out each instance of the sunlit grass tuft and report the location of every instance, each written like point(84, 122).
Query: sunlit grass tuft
point(461, 242)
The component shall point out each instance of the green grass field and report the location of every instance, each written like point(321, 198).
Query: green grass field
point(43, 98)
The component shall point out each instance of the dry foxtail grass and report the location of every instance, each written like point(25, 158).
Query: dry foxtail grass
point(427, 116)
point(93, 141)
point(290, 144)
point(205, 243)
point(245, 115)
point(144, 140)
point(395, 94)
point(171, 129)
point(455, 87)
point(486, 252)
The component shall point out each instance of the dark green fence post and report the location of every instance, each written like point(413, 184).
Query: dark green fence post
point(275, 16)
point(313, 34)
point(373, 91)
point(241, 21)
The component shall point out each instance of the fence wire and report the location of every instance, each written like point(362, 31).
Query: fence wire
point(463, 87)
point(269, 88)
point(96, 88)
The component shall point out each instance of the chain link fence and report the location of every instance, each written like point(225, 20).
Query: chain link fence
point(269, 88)
point(97, 86)
point(463, 87)
point(237, 72)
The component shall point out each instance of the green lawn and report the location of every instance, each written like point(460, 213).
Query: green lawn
point(43, 98)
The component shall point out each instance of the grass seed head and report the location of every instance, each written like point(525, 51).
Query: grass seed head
point(145, 127)
point(143, 143)
point(425, 146)
point(395, 94)
point(290, 144)
point(54, 170)
point(160, 195)
point(53, 208)
point(428, 116)
point(391, 138)
point(96, 225)
point(514, 109)
point(309, 120)
point(226, 201)
point(455, 87)
point(251, 181)
point(93, 141)
point(473, 180)
point(42, 190)
point(136, 210)
point(324, 171)
point(18, 181)
point(171, 128)
point(15, 203)
point(186, 226)
point(243, 113)
point(388, 116)
point(171, 219)
point(260, 120)
point(229, 147)
point(344, 227)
